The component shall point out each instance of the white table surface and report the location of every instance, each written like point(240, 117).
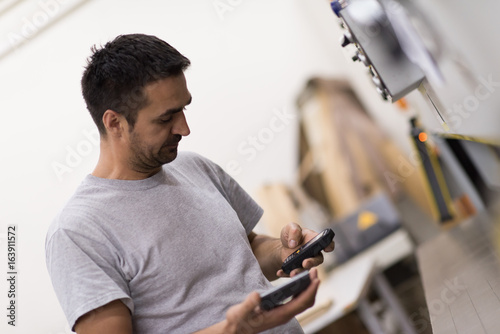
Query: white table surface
point(346, 284)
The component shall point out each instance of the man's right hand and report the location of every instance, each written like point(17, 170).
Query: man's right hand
point(247, 317)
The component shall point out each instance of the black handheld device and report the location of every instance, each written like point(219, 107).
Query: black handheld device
point(279, 294)
point(311, 249)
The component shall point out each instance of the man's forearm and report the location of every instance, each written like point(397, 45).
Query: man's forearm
point(267, 250)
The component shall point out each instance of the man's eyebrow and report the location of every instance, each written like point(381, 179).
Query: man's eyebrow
point(176, 110)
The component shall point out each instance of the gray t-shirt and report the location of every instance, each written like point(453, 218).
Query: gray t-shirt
point(173, 248)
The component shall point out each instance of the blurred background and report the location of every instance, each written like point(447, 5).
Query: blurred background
point(259, 70)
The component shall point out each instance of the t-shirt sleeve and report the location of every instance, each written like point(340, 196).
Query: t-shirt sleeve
point(247, 209)
point(83, 273)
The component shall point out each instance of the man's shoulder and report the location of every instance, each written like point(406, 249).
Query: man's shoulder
point(194, 161)
point(75, 211)
point(198, 169)
point(190, 156)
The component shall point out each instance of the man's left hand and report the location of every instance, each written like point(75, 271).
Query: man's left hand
point(292, 237)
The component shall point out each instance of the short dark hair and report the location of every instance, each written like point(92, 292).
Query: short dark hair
point(116, 74)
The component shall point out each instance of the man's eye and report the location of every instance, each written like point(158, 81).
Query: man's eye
point(166, 120)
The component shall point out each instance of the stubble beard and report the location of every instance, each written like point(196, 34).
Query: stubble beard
point(145, 158)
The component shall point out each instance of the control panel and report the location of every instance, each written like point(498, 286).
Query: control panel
point(367, 26)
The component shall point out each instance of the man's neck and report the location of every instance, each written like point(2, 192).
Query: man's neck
point(113, 166)
point(118, 173)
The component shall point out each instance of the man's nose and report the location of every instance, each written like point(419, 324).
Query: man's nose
point(180, 126)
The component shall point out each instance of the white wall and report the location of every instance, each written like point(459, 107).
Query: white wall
point(246, 64)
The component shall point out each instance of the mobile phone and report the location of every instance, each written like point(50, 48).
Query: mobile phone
point(311, 249)
point(279, 294)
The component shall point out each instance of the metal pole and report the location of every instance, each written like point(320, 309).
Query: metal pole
point(385, 291)
point(369, 318)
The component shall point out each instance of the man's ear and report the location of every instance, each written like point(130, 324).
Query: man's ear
point(113, 122)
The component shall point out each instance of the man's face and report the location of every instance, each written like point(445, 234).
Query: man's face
point(160, 125)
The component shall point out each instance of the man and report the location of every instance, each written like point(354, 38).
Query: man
point(153, 242)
